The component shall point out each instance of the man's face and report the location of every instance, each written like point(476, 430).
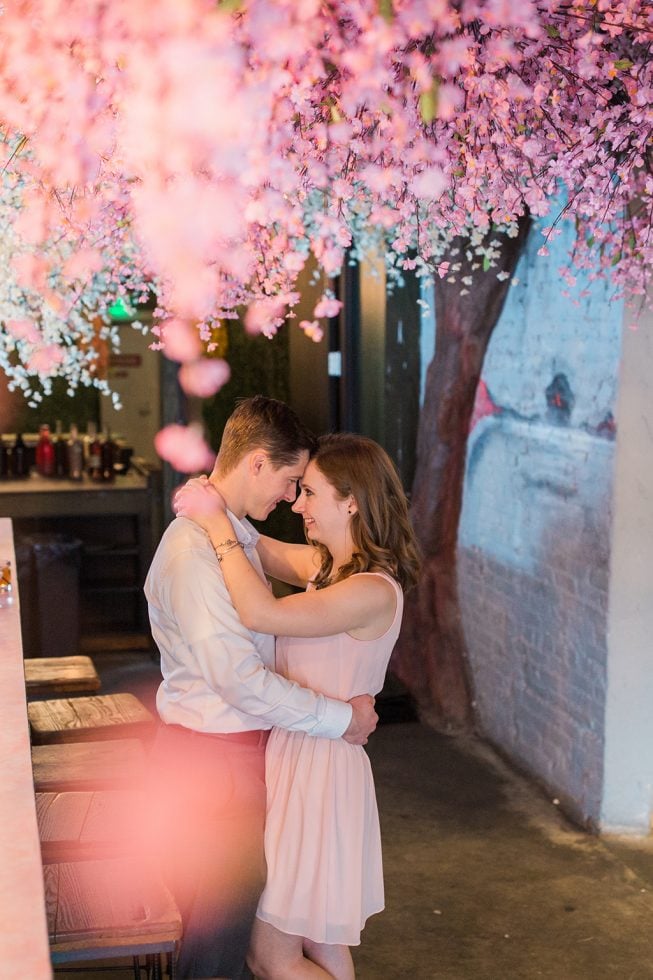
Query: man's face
point(269, 485)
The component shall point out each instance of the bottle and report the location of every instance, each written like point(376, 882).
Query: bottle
point(45, 452)
point(107, 456)
point(60, 452)
point(94, 454)
point(19, 464)
point(91, 430)
point(75, 455)
point(5, 582)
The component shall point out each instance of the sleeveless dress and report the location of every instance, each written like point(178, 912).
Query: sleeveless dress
point(322, 835)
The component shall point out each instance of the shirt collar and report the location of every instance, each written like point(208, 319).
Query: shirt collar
point(246, 533)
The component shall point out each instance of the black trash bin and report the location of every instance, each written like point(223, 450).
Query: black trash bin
point(48, 581)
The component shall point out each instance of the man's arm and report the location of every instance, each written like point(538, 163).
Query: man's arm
point(194, 593)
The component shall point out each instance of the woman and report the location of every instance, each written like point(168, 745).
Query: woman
point(322, 836)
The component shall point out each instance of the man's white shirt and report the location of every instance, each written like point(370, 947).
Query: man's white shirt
point(218, 676)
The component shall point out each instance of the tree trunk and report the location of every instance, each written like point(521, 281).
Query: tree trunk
point(430, 657)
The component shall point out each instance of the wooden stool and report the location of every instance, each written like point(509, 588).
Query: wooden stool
point(79, 826)
point(109, 908)
point(89, 719)
point(60, 675)
point(118, 764)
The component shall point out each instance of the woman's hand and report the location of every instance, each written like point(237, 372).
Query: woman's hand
point(198, 500)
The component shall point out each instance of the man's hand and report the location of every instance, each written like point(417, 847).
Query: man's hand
point(363, 720)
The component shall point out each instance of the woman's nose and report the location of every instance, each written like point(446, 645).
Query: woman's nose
point(298, 506)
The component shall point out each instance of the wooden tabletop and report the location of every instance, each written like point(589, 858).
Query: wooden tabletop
point(104, 716)
point(95, 903)
point(90, 824)
point(23, 931)
point(46, 675)
point(118, 764)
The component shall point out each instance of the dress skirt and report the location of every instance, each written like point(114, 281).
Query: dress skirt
point(322, 839)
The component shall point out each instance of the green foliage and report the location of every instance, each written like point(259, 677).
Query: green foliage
point(428, 103)
point(258, 367)
point(386, 10)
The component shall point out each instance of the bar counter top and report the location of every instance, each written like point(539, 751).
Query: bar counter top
point(24, 950)
point(34, 483)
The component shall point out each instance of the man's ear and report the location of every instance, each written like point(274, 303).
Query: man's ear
point(257, 460)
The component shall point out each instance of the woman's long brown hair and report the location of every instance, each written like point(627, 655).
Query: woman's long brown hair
point(381, 530)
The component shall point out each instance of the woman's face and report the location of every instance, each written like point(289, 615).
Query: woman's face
point(326, 515)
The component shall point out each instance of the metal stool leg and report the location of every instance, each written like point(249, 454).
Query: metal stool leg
point(172, 963)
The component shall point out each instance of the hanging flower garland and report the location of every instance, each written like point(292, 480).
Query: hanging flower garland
point(207, 150)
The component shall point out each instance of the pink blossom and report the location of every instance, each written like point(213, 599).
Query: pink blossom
point(264, 316)
point(82, 264)
point(331, 260)
point(294, 261)
point(23, 330)
point(328, 306)
point(31, 270)
point(45, 361)
point(180, 340)
point(312, 329)
point(204, 377)
point(357, 131)
point(184, 448)
point(429, 184)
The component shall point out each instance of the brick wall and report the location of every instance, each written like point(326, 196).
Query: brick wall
point(533, 581)
point(534, 543)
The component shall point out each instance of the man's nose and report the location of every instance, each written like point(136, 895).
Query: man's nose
point(290, 494)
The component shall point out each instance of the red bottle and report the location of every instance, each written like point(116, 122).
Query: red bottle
point(45, 452)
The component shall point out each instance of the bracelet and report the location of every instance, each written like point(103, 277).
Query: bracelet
point(220, 555)
point(224, 544)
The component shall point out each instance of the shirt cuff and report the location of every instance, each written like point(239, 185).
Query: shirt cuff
point(336, 719)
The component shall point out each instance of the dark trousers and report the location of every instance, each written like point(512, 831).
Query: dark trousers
point(209, 794)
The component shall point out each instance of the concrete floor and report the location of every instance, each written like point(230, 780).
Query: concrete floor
point(485, 879)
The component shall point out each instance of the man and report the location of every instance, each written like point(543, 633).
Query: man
point(219, 698)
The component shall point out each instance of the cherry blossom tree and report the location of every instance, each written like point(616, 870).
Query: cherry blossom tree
point(204, 150)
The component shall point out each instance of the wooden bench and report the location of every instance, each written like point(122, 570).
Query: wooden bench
point(78, 826)
point(108, 909)
point(60, 675)
point(118, 764)
point(107, 716)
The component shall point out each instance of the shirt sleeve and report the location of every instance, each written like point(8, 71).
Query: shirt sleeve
point(226, 655)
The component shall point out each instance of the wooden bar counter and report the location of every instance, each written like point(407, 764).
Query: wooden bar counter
point(24, 950)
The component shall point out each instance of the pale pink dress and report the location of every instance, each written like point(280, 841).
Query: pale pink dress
point(322, 837)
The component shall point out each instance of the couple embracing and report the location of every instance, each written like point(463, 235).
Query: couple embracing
point(266, 814)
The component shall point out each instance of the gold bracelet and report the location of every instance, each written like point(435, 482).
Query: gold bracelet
point(225, 543)
point(220, 555)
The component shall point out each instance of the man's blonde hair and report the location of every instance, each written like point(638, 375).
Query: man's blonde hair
point(263, 423)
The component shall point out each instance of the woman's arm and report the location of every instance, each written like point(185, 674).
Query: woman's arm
point(360, 603)
point(295, 564)
point(201, 502)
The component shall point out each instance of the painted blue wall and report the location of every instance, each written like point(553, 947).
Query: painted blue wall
point(534, 544)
